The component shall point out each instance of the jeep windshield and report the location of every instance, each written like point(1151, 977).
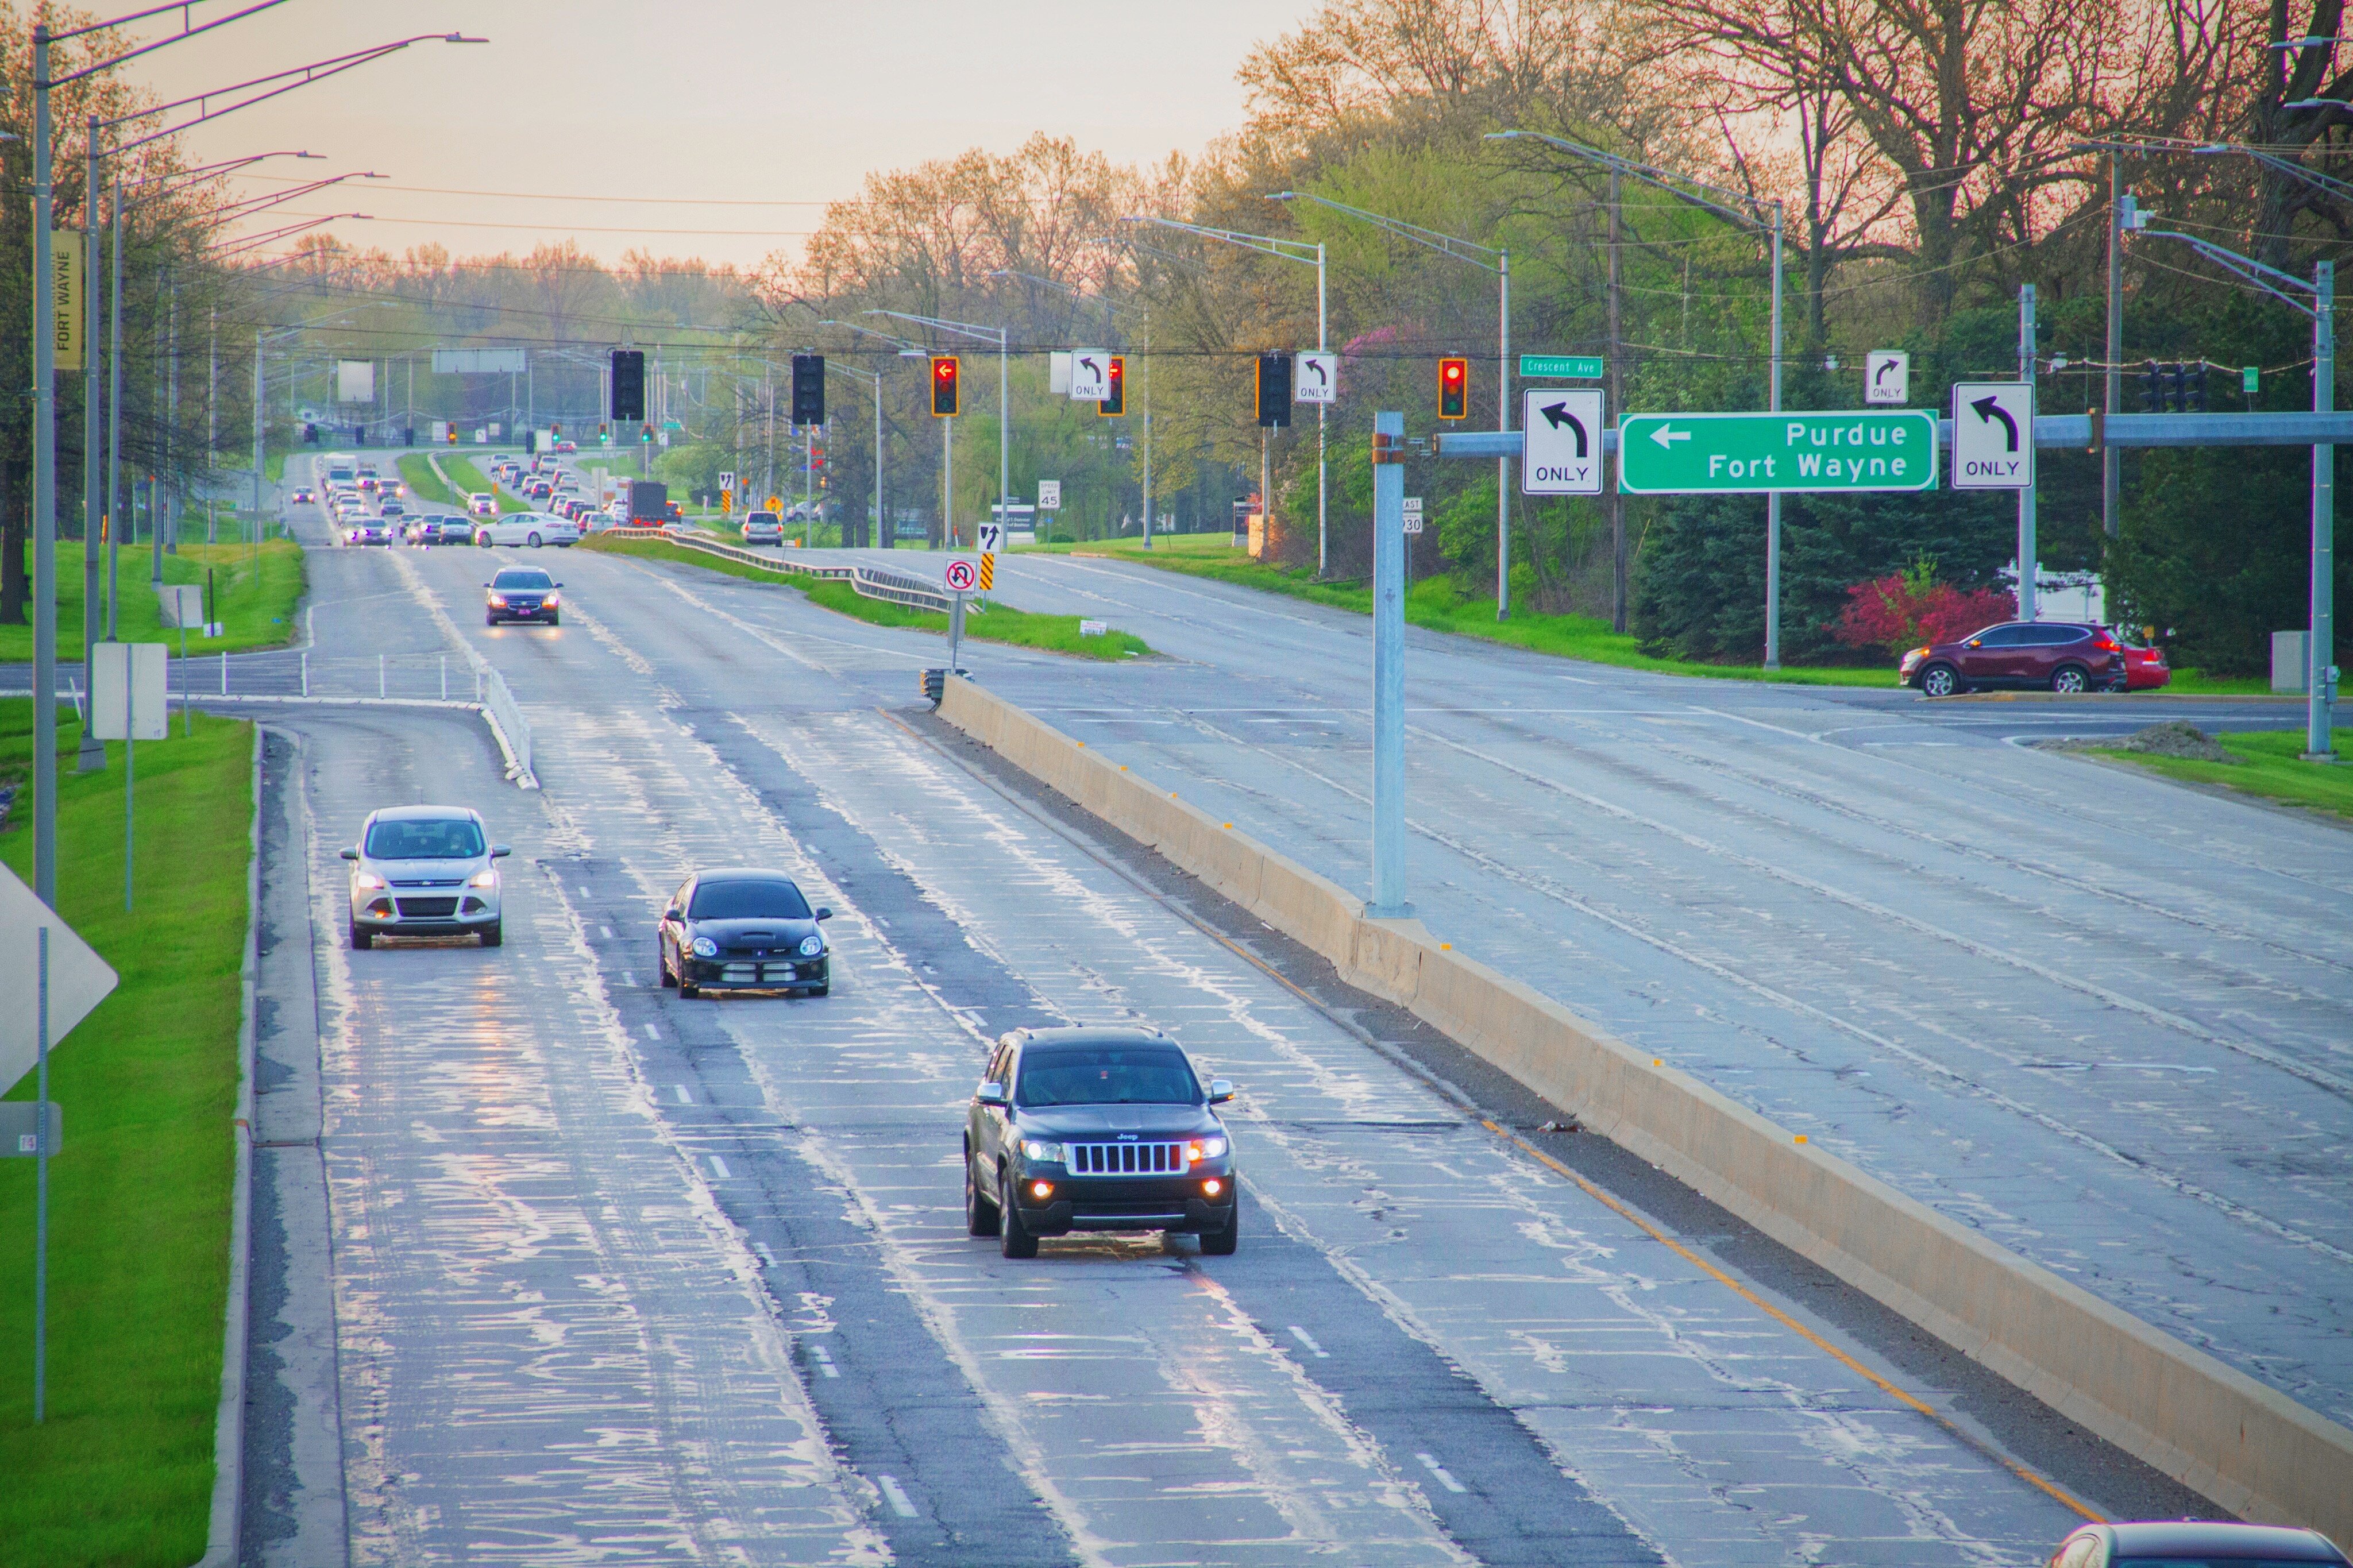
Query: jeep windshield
point(1107, 1075)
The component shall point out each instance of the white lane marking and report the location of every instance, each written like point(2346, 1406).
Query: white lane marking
point(607, 931)
point(823, 1362)
point(900, 1504)
point(1429, 1463)
point(1304, 1338)
point(766, 1256)
point(684, 1096)
point(719, 1168)
point(652, 1033)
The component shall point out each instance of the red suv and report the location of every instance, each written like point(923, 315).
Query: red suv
point(2055, 656)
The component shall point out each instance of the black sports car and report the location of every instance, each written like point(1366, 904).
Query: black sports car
point(742, 929)
point(523, 594)
point(1096, 1128)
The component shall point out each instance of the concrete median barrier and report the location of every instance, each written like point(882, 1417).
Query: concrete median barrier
point(2251, 1448)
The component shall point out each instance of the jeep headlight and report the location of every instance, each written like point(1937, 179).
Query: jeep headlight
point(1036, 1149)
point(811, 946)
point(1202, 1148)
point(706, 948)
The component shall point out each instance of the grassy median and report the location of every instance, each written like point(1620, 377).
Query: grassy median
point(467, 479)
point(2268, 767)
point(1021, 628)
point(416, 473)
point(122, 1472)
point(256, 588)
point(1442, 608)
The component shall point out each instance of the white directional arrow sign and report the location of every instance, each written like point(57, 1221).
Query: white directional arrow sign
point(1993, 436)
point(1560, 450)
point(1090, 376)
point(79, 979)
point(1667, 436)
point(1316, 378)
point(1887, 378)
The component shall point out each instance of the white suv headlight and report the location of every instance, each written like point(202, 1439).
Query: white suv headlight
point(487, 876)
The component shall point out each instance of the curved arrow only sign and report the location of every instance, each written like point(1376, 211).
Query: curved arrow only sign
point(1993, 436)
point(1560, 449)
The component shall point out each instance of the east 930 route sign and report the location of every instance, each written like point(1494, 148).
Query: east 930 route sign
point(1560, 442)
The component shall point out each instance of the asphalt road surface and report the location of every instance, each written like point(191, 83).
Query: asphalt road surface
point(556, 1267)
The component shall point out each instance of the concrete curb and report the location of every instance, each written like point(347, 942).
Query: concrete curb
point(2284, 700)
point(2249, 1448)
point(221, 1539)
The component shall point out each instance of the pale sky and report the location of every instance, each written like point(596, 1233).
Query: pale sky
point(784, 102)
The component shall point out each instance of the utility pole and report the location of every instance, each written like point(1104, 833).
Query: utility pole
point(1388, 901)
point(114, 426)
point(260, 410)
point(171, 431)
point(212, 422)
point(44, 493)
point(2028, 570)
point(2111, 458)
point(1617, 408)
point(93, 756)
point(1146, 379)
point(2320, 678)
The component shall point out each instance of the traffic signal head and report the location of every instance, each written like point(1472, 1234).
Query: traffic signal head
point(808, 389)
point(947, 392)
point(1454, 389)
point(1115, 406)
point(453, 432)
point(2194, 388)
point(2151, 397)
point(2172, 386)
point(628, 384)
point(1275, 390)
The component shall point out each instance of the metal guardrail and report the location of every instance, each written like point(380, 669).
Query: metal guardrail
point(869, 582)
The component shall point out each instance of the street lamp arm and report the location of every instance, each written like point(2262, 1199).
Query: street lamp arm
point(2271, 280)
point(178, 179)
point(180, 5)
point(247, 208)
point(1681, 186)
point(979, 333)
point(291, 230)
point(904, 345)
point(1444, 243)
point(1265, 244)
point(318, 71)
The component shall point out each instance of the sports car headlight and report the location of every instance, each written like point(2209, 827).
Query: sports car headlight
point(487, 876)
point(706, 948)
point(811, 946)
point(1202, 1148)
point(1035, 1149)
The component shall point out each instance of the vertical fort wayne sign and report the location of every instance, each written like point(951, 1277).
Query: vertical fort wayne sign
point(1747, 453)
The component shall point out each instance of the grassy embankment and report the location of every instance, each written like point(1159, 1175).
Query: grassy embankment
point(122, 1471)
point(2269, 769)
point(416, 473)
point(255, 591)
point(1055, 634)
point(1442, 609)
point(466, 479)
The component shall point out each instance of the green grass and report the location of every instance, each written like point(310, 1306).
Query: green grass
point(255, 590)
point(1055, 634)
point(122, 1471)
point(1437, 608)
point(466, 479)
point(416, 473)
point(2270, 769)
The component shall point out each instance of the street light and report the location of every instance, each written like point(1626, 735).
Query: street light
point(1286, 250)
point(1478, 255)
point(948, 433)
point(45, 426)
point(2320, 660)
point(1110, 305)
point(1749, 215)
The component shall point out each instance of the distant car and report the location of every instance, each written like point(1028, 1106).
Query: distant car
point(523, 594)
point(391, 508)
point(2145, 667)
point(304, 496)
point(2213, 1544)
point(425, 870)
point(369, 480)
point(529, 527)
point(2055, 656)
point(568, 445)
point(370, 531)
point(764, 528)
point(454, 530)
point(1097, 1128)
point(483, 503)
point(742, 929)
point(539, 491)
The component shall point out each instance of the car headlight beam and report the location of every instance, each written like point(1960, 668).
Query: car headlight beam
point(487, 876)
point(1202, 1148)
point(1039, 1149)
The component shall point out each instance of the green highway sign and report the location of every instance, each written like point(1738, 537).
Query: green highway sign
point(1560, 367)
point(1750, 454)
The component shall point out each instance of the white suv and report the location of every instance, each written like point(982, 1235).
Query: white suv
point(425, 870)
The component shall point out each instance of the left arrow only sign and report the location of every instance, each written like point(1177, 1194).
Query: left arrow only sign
point(1560, 442)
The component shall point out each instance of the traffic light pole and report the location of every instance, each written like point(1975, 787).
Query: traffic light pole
point(2029, 564)
point(2320, 680)
point(1388, 901)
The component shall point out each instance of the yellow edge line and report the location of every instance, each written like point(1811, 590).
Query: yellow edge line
point(2033, 1479)
point(1785, 1320)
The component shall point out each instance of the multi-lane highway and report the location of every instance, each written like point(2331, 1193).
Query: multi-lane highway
point(558, 1266)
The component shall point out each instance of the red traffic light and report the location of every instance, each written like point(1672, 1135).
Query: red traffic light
point(1115, 406)
point(1453, 389)
point(948, 393)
